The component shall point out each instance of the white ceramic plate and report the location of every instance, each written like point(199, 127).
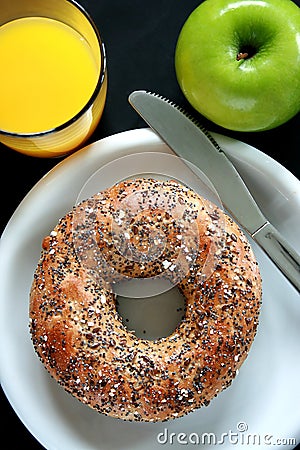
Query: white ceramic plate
point(260, 409)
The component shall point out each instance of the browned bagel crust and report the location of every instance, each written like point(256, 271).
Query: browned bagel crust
point(80, 338)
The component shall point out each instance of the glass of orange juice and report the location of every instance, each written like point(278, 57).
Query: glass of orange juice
point(53, 78)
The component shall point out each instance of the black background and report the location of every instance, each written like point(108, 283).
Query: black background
point(140, 38)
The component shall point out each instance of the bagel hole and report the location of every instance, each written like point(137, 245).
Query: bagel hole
point(152, 317)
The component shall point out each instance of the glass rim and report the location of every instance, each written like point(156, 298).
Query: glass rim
point(91, 99)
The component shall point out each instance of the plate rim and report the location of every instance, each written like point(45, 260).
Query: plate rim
point(91, 151)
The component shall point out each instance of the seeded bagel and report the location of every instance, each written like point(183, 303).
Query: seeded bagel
point(144, 228)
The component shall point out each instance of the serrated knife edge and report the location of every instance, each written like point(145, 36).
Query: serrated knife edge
point(191, 141)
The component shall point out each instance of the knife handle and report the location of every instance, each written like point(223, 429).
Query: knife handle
point(280, 252)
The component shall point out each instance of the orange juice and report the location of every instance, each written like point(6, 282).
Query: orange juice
point(48, 73)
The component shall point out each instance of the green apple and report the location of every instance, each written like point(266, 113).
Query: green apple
point(238, 62)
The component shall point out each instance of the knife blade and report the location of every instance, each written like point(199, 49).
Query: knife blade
point(189, 140)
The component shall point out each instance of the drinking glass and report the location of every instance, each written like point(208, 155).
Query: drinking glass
point(70, 133)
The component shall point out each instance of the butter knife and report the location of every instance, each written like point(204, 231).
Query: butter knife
point(189, 140)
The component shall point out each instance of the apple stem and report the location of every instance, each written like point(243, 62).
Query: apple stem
point(242, 55)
